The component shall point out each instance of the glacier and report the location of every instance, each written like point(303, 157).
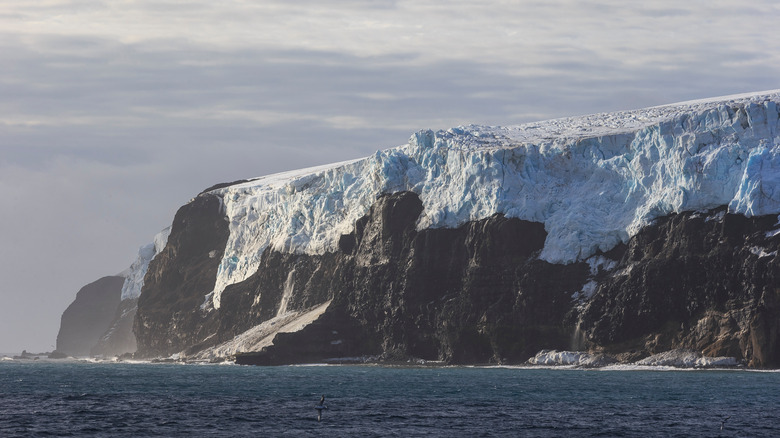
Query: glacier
point(134, 276)
point(593, 181)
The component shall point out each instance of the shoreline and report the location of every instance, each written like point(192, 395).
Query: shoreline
point(410, 364)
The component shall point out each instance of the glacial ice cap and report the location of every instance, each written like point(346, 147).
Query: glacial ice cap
point(593, 180)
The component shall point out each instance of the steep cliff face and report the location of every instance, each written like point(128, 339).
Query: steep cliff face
point(119, 339)
point(703, 281)
point(89, 316)
point(484, 244)
point(169, 318)
point(474, 294)
point(706, 281)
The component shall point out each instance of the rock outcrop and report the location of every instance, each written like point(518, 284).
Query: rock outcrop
point(170, 317)
point(86, 320)
point(706, 281)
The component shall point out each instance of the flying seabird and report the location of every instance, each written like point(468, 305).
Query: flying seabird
point(320, 407)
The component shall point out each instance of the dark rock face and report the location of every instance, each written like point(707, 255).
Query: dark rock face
point(474, 294)
point(466, 295)
point(89, 316)
point(707, 282)
point(169, 318)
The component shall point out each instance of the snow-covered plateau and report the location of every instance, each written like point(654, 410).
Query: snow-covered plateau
point(593, 181)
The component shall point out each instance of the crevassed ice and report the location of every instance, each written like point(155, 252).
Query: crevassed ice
point(593, 181)
point(134, 280)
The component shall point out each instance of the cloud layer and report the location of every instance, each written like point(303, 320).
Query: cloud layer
point(115, 113)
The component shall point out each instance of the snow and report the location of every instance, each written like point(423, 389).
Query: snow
point(671, 359)
point(555, 357)
point(593, 181)
point(600, 263)
point(587, 291)
point(771, 234)
point(569, 358)
point(717, 217)
point(687, 359)
point(596, 264)
point(761, 253)
point(134, 277)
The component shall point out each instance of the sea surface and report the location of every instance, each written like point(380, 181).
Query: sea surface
point(41, 398)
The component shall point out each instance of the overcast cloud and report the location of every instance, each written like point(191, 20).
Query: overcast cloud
point(115, 113)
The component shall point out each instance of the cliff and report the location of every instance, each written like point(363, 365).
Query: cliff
point(628, 234)
point(89, 316)
point(169, 318)
point(99, 322)
point(704, 281)
point(479, 293)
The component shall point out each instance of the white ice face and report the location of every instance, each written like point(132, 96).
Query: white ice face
point(593, 181)
point(134, 280)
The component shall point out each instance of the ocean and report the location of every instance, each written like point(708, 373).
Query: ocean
point(51, 398)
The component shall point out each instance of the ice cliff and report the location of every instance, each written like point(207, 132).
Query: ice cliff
point(134, 276)
point(593, 181)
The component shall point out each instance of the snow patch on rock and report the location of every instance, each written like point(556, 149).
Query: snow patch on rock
point(600, 263)
point(761, 252)
point(569, 358)
point(687, 359)
point(668, 359)
point(773, 233)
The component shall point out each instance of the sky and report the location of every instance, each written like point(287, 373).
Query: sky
point(113, 114)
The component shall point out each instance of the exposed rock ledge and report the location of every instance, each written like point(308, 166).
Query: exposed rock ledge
point(262, 335)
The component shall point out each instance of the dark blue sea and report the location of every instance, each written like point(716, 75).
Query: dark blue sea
point(167, 400)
